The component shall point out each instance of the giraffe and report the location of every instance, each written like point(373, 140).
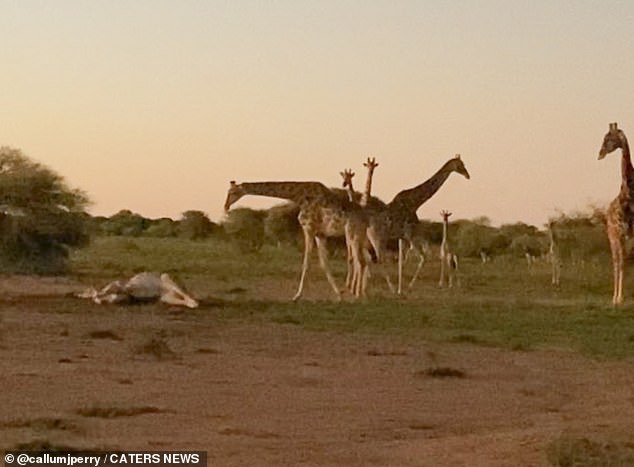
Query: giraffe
point(142, 287)
point(352, 278)
point(448, 259)
point(347, 175)
point(620, 212)
point(370, 164)
point(554, 255)
point(371, 208)
point(398, 218)
point(485, 256)
point(322, 214)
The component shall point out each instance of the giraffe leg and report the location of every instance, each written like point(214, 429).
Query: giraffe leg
point(618, 297)
point(323, 261)
point(352, 265)
point(350, 272)
point(362, 267)
point(400, 267)
point(441, 282)
point(556, 272)
point(366, 275)
point(358, 273)
point(617, 266)
point(356, 242)
point(389, 283)
point(452, 269)
point(309, 238)
point(379, 251)
point(421, 262)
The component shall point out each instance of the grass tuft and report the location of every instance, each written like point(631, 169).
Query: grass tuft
point(573, 452)
point(156, 347)
point(105, 334)
point(442, 372)
point(117, 412)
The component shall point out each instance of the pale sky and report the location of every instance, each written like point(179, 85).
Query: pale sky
point(154, 106)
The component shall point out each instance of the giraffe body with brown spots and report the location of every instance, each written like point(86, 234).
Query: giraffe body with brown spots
point(322, 214)
point(620, 212)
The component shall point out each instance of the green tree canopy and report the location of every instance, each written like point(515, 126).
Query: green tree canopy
point(195, 225)
point(40, 216)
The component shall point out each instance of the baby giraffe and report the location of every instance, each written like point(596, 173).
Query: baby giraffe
point(355, 280)
point(448, 260)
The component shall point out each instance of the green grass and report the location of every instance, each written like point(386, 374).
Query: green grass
point(500, 304)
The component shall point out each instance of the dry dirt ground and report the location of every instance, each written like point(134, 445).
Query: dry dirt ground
point(151, 377)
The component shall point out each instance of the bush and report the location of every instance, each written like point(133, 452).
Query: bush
point(162, 228)
point(195, 225)
point(40, 216)
point(245, 227)
point(126, 223)
point(281, 225)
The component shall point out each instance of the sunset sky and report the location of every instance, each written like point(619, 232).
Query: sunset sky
point(154, 106)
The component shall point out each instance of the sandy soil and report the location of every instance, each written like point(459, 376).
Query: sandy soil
point(152, 377)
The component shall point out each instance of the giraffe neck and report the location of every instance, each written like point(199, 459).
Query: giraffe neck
point(551, 237)
point(445, 230)
point(627, 171)
point(410, 200)
point(350, 191)
point(297, 192)
point(368, 188)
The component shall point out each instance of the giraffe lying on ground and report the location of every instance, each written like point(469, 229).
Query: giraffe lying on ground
point(143, 287)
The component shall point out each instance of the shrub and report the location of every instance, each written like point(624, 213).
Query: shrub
point(195, 225)
point(245, 227)
point(40, 216)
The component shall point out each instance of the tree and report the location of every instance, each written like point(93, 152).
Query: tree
point(126, 223)
point(281, 224)
point(195, 225)
point(162, 228)
point(40, 216)
point(245, 227)
point(474, 237)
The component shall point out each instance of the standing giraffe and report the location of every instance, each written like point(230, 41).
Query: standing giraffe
point(554, 254)
point(398, 218)
point(620, 212)
point(370, 164)
point(322, 214)
point(448, 260)
point(352, 277)
point(371, 207)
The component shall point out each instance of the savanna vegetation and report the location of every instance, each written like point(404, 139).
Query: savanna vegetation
point(41, 218)
point(501, 303)
point(251, 261)
point(245, 270)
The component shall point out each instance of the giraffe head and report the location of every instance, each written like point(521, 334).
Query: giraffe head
point(347, 176)
point(371, 164)
point(445, 215)
point(234, 194)
point(612, 140)
point(458, 166)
